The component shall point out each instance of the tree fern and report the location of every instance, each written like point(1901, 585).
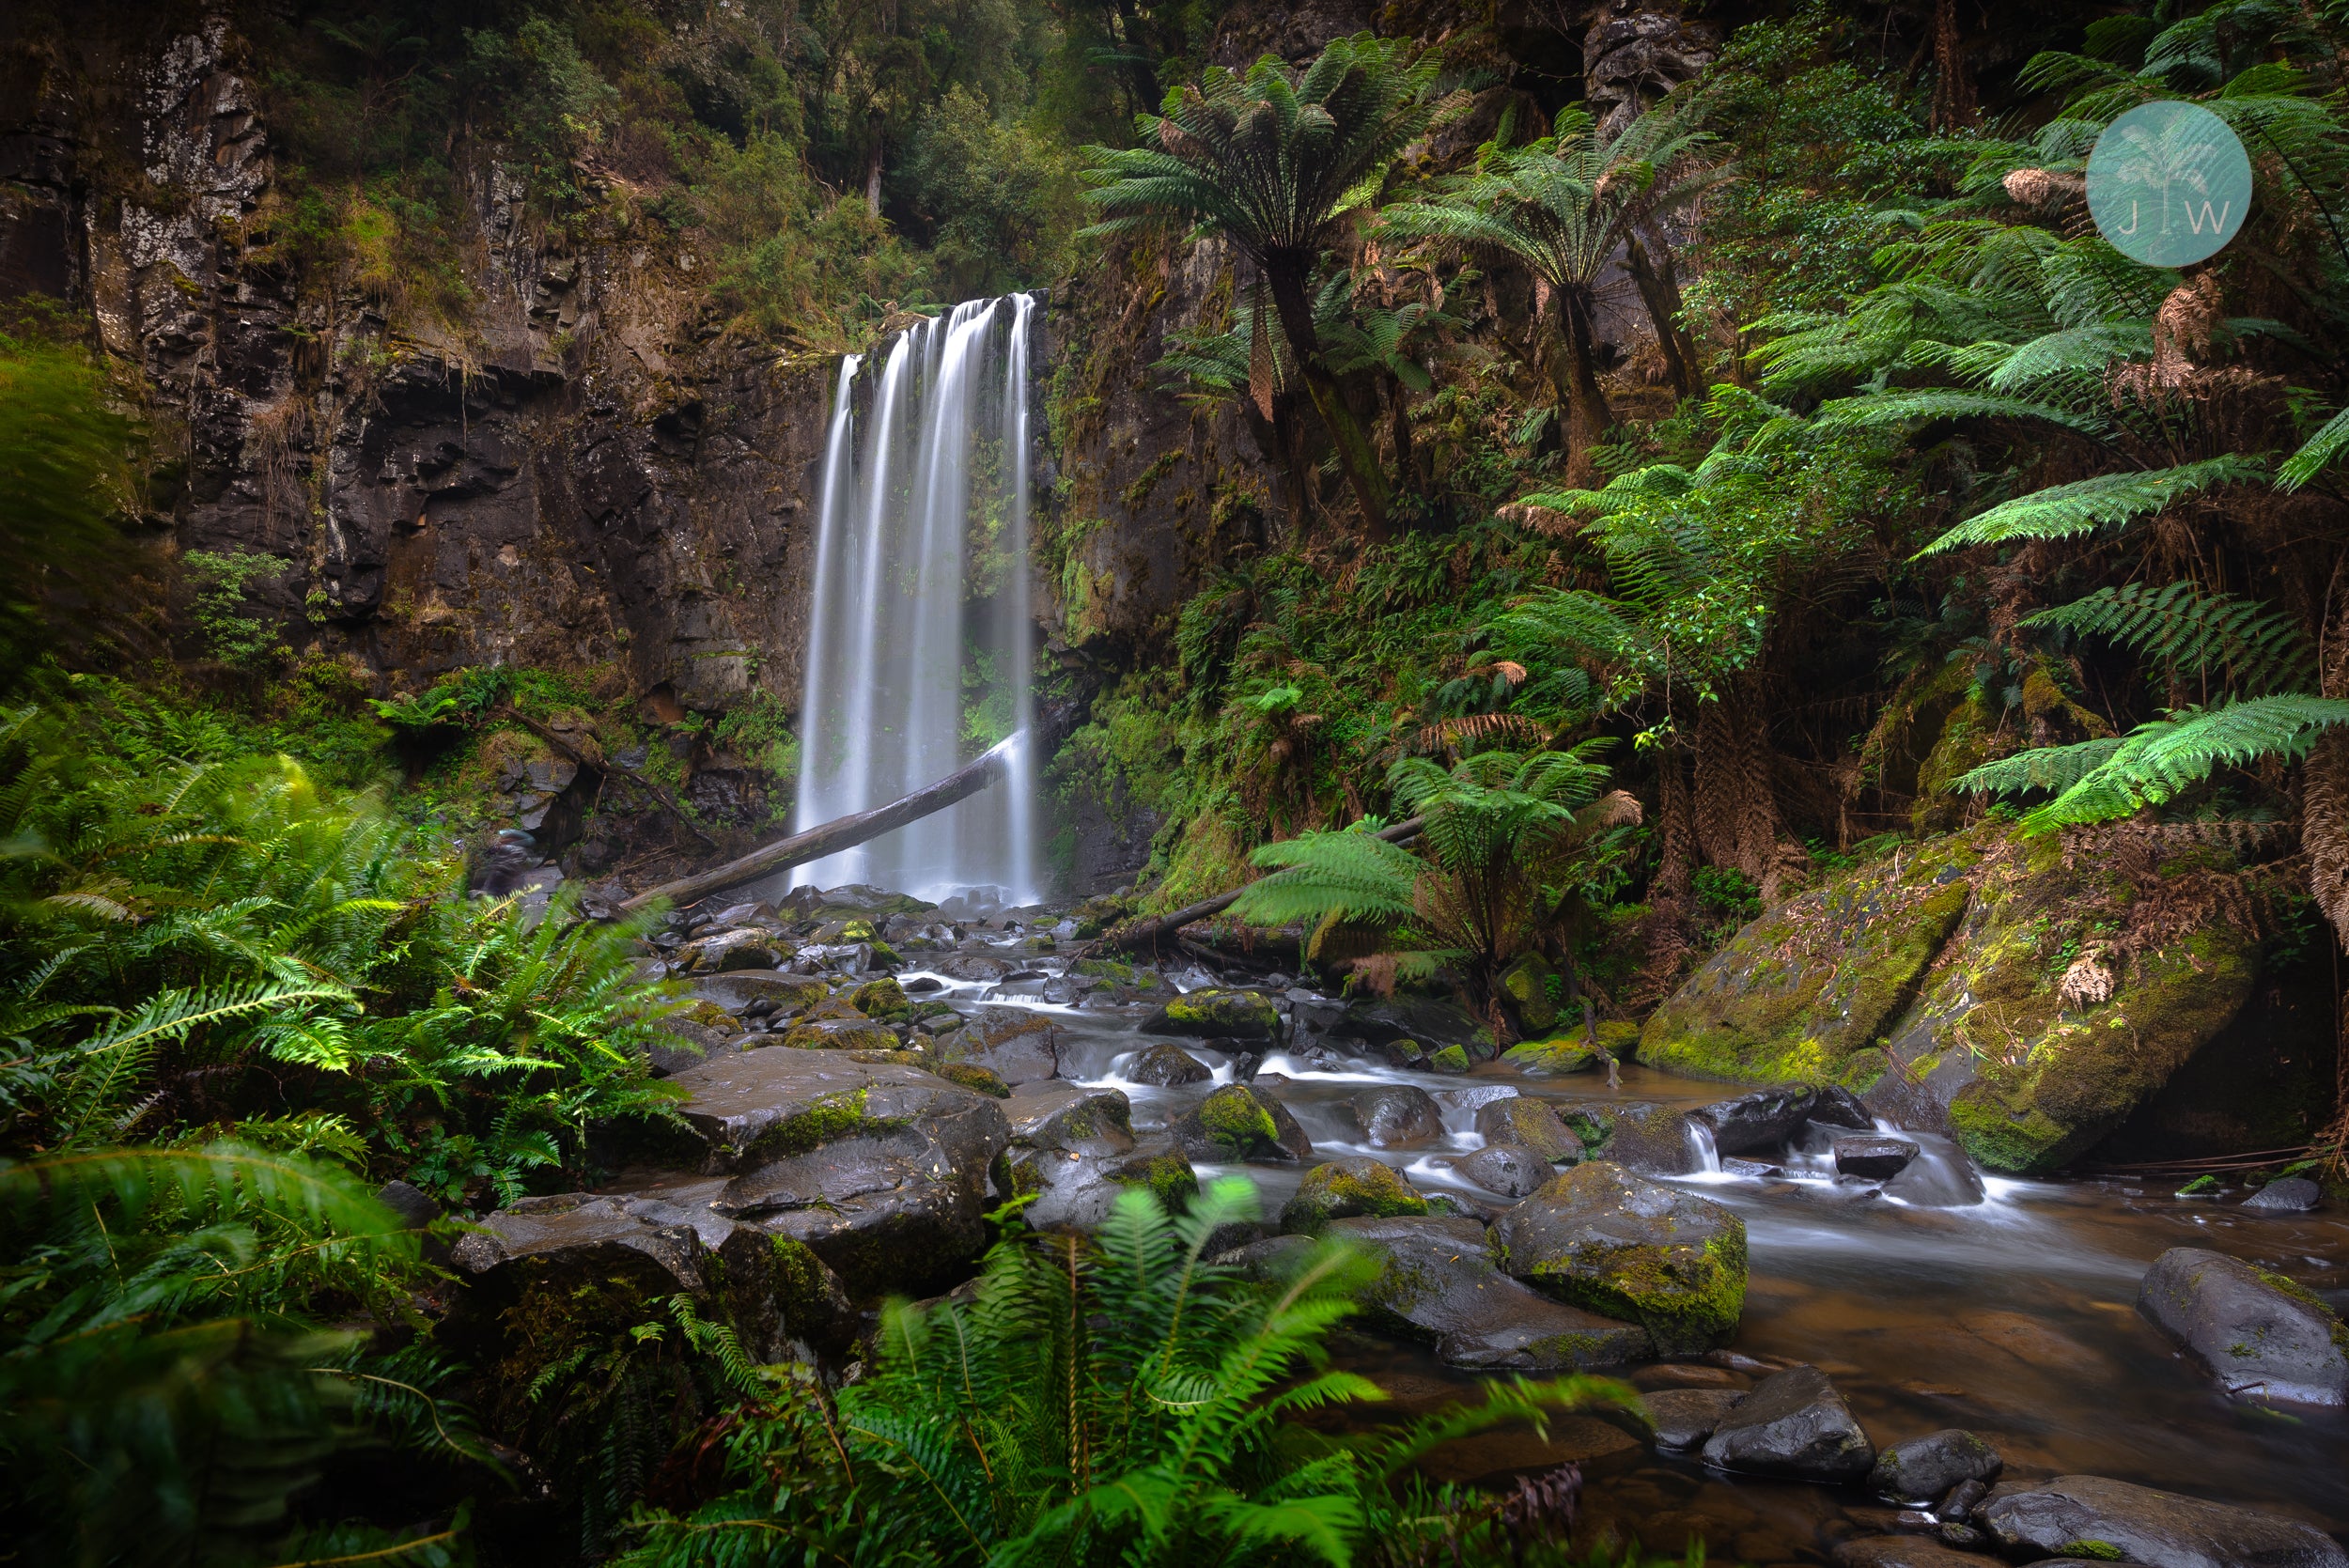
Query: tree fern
point(2319, 452)
point(2214, 638)
point(2155, 762)
point(2066, 511)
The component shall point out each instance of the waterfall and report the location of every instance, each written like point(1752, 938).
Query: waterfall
point(919, 631)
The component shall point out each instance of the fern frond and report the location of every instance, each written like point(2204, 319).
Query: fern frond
point(2251, 648)
point(2066, 511)
point(2319, 452)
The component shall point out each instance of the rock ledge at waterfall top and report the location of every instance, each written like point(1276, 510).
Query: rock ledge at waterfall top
point(1930, 981)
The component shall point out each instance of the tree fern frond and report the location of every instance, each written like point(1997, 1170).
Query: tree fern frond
point(2319, 452)
point(2065, 511)
point(2251, 648)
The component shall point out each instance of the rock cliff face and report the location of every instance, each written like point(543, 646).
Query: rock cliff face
point(574, 471)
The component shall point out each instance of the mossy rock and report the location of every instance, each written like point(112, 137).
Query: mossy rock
point(1217, 1014)
point(886, 956)
point(856, 1034)
point(884, 1000)
point(1526, 984)
point(713, 1017)
point(1452, 1059)
point(1602, 1238)
point(1238, 1121)
point(1557, 1058)
point(972, 1075)
point(1344, 1189)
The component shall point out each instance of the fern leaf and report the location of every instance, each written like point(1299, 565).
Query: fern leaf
point(2250, 647)
point(2322, 449)
point(2065, 511)
point(1876, 411)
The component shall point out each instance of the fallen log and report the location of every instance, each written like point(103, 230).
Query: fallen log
point(841, 832)
point(1150, 933)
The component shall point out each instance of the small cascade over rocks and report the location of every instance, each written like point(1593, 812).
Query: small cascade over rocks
point(921, 636)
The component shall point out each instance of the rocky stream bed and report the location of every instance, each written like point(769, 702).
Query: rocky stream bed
point(1853, 1346)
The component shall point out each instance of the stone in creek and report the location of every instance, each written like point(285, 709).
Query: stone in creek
point(1426, 1022)
point(1218, 1014)
point(1684, 1418)
point(1164, 1067)
point(1878, 1158)
point(2291, 1195)
point(1344, 1189)
point(1511, 1170)
point(1531, 1123)
point(1762, 1119)
point(741, 987)
point(1238, 1121)
point(685, 1040)
point(1838, 1107)
point(1552, 1057)
point(2260, 1334)
point(739, 950)
point(1906, 1551)
point(1437, 1280)
point(1931, 1467)
point(1605, 1239)
point(1398, 1116)
point(1653, 1139)
point(840, 1034)
point(2158, 1529)
point(1015, 1044)
point(1793, 1424)
point(979, 966)
point(1941, 1178)
point(878, 1166)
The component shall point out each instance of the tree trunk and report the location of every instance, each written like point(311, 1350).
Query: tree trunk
point(1588, 417)
point(1399, 429)
point(873, 174)
point(1659, 290)
point(1355, 453)
point(1954, 105)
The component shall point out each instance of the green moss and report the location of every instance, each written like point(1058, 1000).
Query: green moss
point(1685, 1298)
point(1452, 1059)
point(972, 1075)
point(803, 1286)
point(2286, 1285)
point(1342, 1188)
point(1552, 1057)
point(2095, 1551)
point(827, 1120)
point(884, 1000)
point(712, 1017)
point(1169, 1178)
point(1233, 1117)
point(1526, 984)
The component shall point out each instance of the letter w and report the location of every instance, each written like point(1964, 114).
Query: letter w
point(2217, 225)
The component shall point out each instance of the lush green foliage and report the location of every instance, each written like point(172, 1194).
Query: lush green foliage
point(65, 472)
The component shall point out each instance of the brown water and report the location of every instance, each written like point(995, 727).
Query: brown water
point(2014, 1318)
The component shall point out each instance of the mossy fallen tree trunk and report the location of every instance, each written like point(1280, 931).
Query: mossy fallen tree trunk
point(842, 832)
point(1140, 933)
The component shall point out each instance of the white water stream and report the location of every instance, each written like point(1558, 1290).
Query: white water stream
point(921, 635)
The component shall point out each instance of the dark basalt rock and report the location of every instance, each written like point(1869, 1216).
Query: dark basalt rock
point(1398, 1116)
point(1511, 1170)
point(1793, 1424)
point(1531, 1123)
point(1838, 1107)
point(2161, 1530)
point(1878, 1158)
point(1167, 1066)
point(1425, 1022)
point(1684, 1418)
point(1057, 1114)
point(2291, 1195)
point(1925, 1469)
point(1239, 1121)
point(1610, 1241)
point(1017, 1045)
point(1438, 1282)
point(1651, 1140)
point(1762, 1119)
point(2258, 1334)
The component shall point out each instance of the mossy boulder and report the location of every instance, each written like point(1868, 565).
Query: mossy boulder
point(884, 1000)
point(740, 988)
point(852, 1033)
point(1558, 1057)
point(972, 1075)
point(1408, 1027)
point(1017, 1045)
point(1934, 983)
point(1214, 1013)
point(1343, 1189)
point(1602, 1238)
point(1241, 1123)
point(1527, 985)
point(1437, 1281)
point(1074, 1152)
point(1166, 1066)
point(1530, 1124)
point(1452, 1059)
point(729, 951)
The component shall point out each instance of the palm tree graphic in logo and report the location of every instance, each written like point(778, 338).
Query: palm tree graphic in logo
point(2168, 184)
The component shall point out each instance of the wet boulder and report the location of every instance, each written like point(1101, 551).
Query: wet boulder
point(840, 1034)
point(1164, 1067)
point(1762, 1119)
point(1684, 1418)
point(1398, 1116)
point(1511, 1170)
point(1438, 1282)
point(1214, 1013)
point(1239, 1122)
point(582, 1232)
point(2260, 1334)
point(1874, 1159)
point(1344, 1189)
point(693, 1035)
point(1939, 1177)
point(1074, 1152)
point(1603, 1238)
point(879, 1168)
point(1057, 1114)
point(982, 967)
point(1925, 1469)
point(883, 1000)
point(1558, 1057)
point(2290, 1195)
point(1834, 1106)
point(740, 988)
point(1653, 1139)
point(1425, 1024)
point(1793, 1424)
point(1530, 1124)
point(2143, 1524)
point(1014, 1044)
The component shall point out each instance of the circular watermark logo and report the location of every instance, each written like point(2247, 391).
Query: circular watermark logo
point(2168, 184)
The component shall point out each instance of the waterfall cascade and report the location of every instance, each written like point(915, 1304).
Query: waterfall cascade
point(921, 637)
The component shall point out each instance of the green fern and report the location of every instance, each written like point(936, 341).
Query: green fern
point(2319, 452)
point(2102, 781)
point(2206, 637)
point(2066, 511)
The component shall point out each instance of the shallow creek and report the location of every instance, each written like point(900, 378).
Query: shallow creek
point(2014, 1317)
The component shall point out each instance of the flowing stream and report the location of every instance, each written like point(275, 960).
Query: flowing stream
point(920, 634)
point(2013, 1316)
